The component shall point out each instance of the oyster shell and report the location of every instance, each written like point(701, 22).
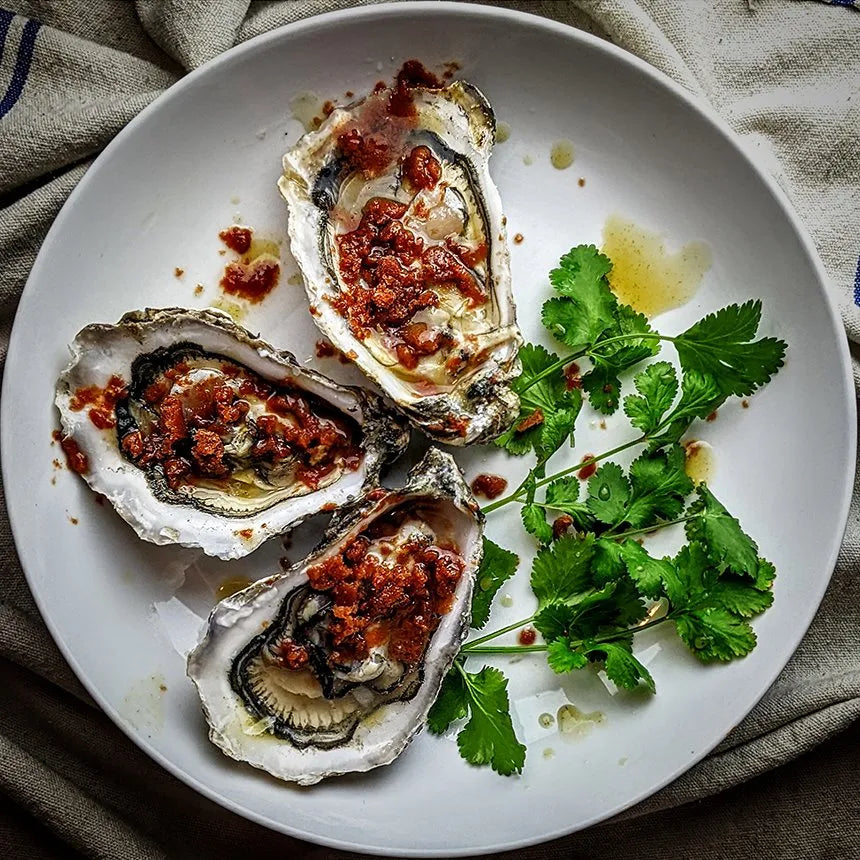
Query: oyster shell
point(201, 434)
point(286, 687)
point(398, 230)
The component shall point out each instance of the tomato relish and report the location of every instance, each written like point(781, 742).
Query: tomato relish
point(390, 273)
point(387, 589)
point(200, 420)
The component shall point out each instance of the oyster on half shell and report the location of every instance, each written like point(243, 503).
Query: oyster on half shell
point(201, 434)
point(331, 667)
point(398, 230)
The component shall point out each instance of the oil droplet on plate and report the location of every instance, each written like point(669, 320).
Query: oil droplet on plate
point(503, 132)
point(507, 600)
point(546, 720)
point(644, 274)
point(527, 160)
point(548, 752)
point(231, 586)
point(232, 309)
point(304, 107)
point(700, 462)
point(561, 154)
point(574, 724)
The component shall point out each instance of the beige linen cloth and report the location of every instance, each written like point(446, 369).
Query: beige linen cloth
point(785, 75)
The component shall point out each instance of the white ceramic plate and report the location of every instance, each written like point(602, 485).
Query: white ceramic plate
point(210, 148)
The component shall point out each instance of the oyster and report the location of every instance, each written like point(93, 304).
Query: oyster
point(201, 434)
point(331, 667)
point(398, 230)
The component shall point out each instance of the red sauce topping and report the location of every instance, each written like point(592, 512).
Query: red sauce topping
point(237, 239)
point(76, 460)
point(193, 417)
point(101, 402)
point(389, 275)
point(364, 152)
point(489, 486)
point(561, 526)
point(292, 655)
point(527, 636)
point(421, 169)
point(530, 421)
point(572, 377)
point(252, 281)
point(399, 600)
point(411, 75)
point(326, 349)
point(587, 471)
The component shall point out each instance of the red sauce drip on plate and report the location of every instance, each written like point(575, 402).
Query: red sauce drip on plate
point(237, 239)
point(489, 486)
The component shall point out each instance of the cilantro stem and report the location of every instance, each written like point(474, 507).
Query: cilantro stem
point(556, 365)
point(588, 462)
point(588, 350)
point(651, 335)
point(487, 636)
point(656, 527)
point(515, 495)
point(473, 648)
point(503, 649)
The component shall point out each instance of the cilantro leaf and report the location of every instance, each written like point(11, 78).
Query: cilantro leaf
point(563, 657)
point(488, 737)
point(765, 575)
point(585, 304)
point(607, 564)
point(739, 597)
point(566, 619)
point(579, 270)
point(658, 485)
point(621, 666)
point(534, 522)
point(602, 386)
point(721, 345)
point(627, 604)
point(700, 396)
point(547, 402)
point(657, 386)
point(560, 570)
point(554, 620)
point(602, 383)
point(727, 545)
point(646, 572)
point(715, 634)
point(556, 428)
point(608, 494)
point(687, 580)
point(451, 704)
point(563, 495)
point(497, 567)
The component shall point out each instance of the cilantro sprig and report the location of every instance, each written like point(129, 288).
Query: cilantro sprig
point(595, 584)
point(719, 357)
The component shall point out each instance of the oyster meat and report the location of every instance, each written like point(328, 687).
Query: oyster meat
point(203, 435)
point(331, 667)
point(398, 230)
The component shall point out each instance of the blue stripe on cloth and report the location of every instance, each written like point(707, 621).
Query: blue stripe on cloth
point(843, 3)
point(5, 20)
point(22, 67)
point(857, 284)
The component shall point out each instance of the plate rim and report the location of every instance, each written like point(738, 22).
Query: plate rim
point(441, 8)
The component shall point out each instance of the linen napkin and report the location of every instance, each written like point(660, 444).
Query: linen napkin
point(784, 74)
